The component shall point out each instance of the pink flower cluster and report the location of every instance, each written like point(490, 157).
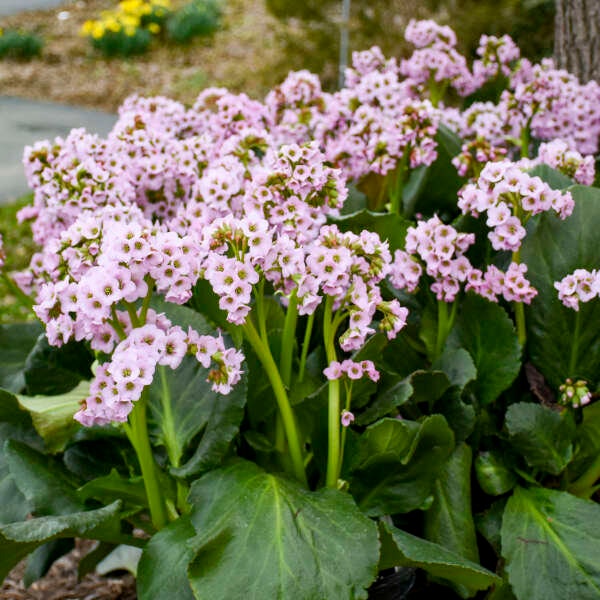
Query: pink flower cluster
point(352, 370)
point(2, 255)
point(509, 196)
point(498, 55)
point(558, 155)
point(120, 382)
point(579, 286)
point(436, 58)
point(512, 285)
point(441, 248)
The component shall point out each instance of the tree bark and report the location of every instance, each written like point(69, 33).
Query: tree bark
point(577, 37)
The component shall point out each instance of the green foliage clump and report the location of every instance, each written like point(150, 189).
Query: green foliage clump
point(199, 18)
point(122, 43)
point(20, 44)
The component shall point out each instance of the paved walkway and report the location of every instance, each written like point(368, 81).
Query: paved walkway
point(10, 7)
point(23, 122)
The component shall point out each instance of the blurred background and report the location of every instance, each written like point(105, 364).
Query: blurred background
point(53, 50)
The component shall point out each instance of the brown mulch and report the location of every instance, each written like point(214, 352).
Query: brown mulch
point(60, 583)
point(240, 56)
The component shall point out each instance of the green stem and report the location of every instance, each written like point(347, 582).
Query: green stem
point(19, 294)
point(333, 420)
point(116, 324)
point(287, 340)
point(525, 140)
point(146, 302)
point(137, 432)
point(259, 295)
point(442, 328)
point(519, 309)
point(305, 346)
point(584, 486)
point(132, 314)
point(575, 347)
point(343, 442)
point(397, 183)
point(289, 423)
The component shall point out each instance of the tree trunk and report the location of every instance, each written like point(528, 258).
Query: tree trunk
point(577, 37)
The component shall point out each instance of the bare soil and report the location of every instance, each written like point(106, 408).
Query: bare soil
point(61, 583)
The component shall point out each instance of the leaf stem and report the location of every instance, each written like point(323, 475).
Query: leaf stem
point(289, 423)
point(519, 309)
point(584, 486)
point(137, 432)
point(305, 346)
point(333, 420)
point(287, 340)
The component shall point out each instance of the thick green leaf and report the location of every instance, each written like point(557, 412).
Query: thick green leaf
point(487, 333)
point(186, 409)
point(395, 391)
point(16, 342)
point(449, 521)
point(131, 491)
point(399, 548)
point(261, 536)
point(555, 179)
point(428, 386)
point(44, 481)
point(50, 370)
point(388, 226)
point(489, 524)
point(17, 540)
point(493, 476)
point(587, 441)
point(52, 416)
point(441, 182)
point(162, 570)
point(543, 436)
point(122, 558)
point(397, 462)
point(460, 416)
point(551, 544)
point(559, 347)
point(15, 423)
point(42, 558)
point(458, 366)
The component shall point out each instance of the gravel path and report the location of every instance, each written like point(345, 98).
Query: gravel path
point(23, 122)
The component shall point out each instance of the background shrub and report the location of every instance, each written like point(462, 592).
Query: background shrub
point(19, 44)
point(196, 19)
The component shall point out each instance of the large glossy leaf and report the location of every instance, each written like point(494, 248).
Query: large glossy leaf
point(436, 187)
point(551, 544)
point(458, 366)
point(49, 370)
point(397, 462)
point(388, 226)
point(17, 540)
point(587, 440)
point(543, 436)
point(162, 570)
point(552, 249)
point(16, 342)
point(52, 416)
point(487, 333)
point(185, 408)
point(555, 179)
point(43, 480)
point(399, 548)
point(262, 536)
point(15, 423)
point(449, 521)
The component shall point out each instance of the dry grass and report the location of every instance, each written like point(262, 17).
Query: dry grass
point(241, 57)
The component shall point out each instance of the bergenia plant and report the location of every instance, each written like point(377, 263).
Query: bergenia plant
point(320, 345)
